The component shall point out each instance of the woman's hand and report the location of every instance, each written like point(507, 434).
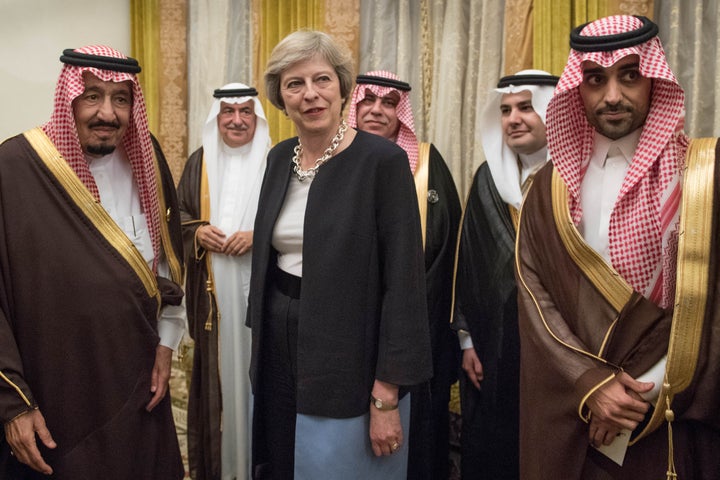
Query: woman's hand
point(386, 435)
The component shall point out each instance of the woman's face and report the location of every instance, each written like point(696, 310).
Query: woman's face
point(310, 90)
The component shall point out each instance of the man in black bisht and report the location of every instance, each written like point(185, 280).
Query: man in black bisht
point(512, 126)
point(381, 105)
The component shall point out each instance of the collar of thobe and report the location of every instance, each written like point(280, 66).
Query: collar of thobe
point(509, 177)
point(236, 151)
point(531, 162)
point(623, 147)
point(94, 161)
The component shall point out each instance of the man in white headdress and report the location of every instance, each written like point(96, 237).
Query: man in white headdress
point(218, 195)
point(512, 129)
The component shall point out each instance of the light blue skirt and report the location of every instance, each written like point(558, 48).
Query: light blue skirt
point(335, 448)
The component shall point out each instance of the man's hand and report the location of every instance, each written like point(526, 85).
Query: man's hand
point(238, 244)
point(160, 380)
point(615, 406)
point(472, 366)
point(20, 435)
point(211, 238)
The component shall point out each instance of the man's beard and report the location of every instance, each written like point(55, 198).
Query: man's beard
point(100, 149)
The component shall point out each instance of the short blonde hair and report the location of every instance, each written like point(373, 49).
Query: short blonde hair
point(301, 45)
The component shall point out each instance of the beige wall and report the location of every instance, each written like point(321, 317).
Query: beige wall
point(34, 34)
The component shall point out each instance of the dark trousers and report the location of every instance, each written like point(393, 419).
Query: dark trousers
point(275, 409)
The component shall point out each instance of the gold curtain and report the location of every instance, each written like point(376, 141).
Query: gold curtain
point(554, 19)
point(158, 39)
point(145, 46)
point(342, 21)
point(552, 22)
point(518, 36)
point(631, 7)
point(274, 19)
point(173, 78)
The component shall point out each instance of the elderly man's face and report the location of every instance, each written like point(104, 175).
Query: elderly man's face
point(102, 114)
point(617, 98)
point(523, 129)
point(236, 123)
point(378, 115)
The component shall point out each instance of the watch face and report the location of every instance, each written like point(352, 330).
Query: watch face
point(378, 403)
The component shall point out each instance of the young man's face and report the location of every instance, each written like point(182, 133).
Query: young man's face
point(378, 115)
point(523, 129)
point(617, 98)
point(102, 114)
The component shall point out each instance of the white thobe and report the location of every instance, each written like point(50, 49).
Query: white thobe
point(120, 197)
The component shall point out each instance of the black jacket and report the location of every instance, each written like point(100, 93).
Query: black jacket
point(363, 312)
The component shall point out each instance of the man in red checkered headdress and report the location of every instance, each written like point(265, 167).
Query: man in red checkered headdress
point(90, 255)
point(380, 104)
point(616, 267)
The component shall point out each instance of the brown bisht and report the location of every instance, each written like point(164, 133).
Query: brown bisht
point(78, 321)
point(581, 323)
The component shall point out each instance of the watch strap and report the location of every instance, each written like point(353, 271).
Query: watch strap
point(380, 405)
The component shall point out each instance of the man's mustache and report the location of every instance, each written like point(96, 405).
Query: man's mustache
point(617, 108)
point(101, 123)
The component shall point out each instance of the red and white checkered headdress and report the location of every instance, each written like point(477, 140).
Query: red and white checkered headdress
point(61, 128)
point(643, 224)
point(406, 137)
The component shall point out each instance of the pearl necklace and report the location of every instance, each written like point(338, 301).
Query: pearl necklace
point(310, 173)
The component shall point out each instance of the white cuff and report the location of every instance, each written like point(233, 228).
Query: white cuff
point(655, 374)
point(465, 339)
point(171, 325)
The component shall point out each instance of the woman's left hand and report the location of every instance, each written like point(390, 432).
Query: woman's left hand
point(386, 433)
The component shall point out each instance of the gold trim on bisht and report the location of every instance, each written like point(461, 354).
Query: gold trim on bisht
point(457, 255)
point(15, 387)
point(559, 211)
point(176, 268)
point(205, 217)
point(514, 216)
point(693, 270)
point(422, 176)
point(204, 193)
point(92, 209)
point(602, 275)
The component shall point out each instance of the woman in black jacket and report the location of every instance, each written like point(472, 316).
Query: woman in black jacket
point(337, 296)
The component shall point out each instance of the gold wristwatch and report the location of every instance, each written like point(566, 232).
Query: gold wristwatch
point(380, 405)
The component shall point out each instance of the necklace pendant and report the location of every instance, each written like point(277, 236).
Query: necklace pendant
point(303, 175)
point(310, 173)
